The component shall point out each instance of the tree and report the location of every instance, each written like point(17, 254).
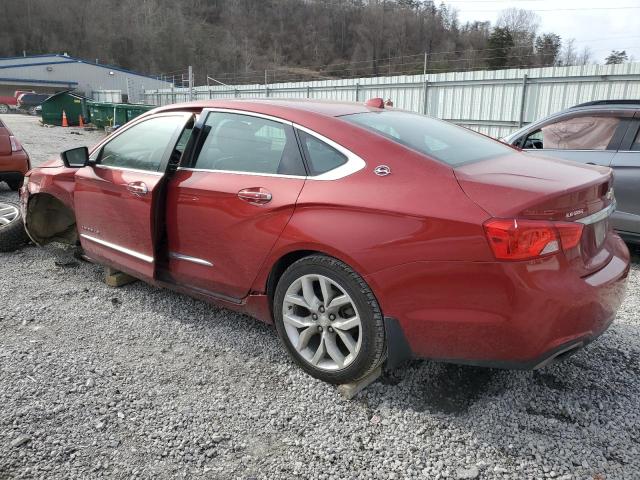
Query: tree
point(499, 45)
point(616, 56)
point(570, 56)
point(547, 48)
point(522, 25)
point(235, 41)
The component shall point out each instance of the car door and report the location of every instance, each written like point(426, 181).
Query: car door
point(230, 201)
point(586, 137)
point(626, 167)
point(116, 197)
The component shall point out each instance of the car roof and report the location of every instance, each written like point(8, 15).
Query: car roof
point(609, 103)
point(284, 108)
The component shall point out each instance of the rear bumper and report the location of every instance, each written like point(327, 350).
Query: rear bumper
point(14, 164)
point(509, 315)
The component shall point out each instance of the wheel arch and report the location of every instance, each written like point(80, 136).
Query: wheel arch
point(49, 219)
point(279, 261)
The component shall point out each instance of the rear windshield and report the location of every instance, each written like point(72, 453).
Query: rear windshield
point(436, 138)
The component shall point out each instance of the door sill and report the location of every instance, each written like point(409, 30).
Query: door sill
point(164, 279)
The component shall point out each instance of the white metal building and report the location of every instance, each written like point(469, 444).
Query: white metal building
point(494, 102)
point(54, 73)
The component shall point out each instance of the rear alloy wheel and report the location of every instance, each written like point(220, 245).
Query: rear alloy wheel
point(329, 320)
point(4, 108)
point(12, 233)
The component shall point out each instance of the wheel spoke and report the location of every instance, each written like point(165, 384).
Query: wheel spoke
point(346, 323)
point(320, 352)
point(8, 213)
point(305, 336)
point(333, 350)
point(296, 320)
point(339, 301)
point(348, 341)
point(309, 294)
point(297, 300)
point(325, 287)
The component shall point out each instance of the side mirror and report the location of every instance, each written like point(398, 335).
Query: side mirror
point(76, 157)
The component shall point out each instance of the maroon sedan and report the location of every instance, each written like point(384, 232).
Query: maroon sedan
point(14, 161)
point(365, 234)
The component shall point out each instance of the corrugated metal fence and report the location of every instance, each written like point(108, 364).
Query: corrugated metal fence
point(493, 102)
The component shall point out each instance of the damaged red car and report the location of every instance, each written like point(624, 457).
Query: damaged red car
point(366, 234)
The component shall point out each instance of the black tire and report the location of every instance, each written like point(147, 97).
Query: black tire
point(372, 350)
point(12, 235)
point(15, 185)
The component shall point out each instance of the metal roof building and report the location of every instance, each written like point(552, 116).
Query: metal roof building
point(55, 73)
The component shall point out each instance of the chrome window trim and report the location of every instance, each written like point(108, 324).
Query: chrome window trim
point(237, 172)
point(596, 217)
point(127, 169)
point(353, 164)
point(118, 248)
point(187, 258)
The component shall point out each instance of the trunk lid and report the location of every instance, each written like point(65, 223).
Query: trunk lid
point(539, 188)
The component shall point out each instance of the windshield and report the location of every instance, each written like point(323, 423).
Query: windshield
point(436, 138)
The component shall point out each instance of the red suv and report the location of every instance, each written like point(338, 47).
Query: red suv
point(364, 233)
point(14, 161)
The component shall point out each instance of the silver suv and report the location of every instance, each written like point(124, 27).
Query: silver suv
point(604, 132)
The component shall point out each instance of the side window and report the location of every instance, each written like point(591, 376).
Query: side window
point(577, 133)
point(141, 146)
point(243, 143)
point(636, 143)
point(320, 156)
point(533, 141)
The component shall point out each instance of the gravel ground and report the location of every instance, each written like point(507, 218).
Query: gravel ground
point(140, 382)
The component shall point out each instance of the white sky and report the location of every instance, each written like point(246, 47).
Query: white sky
point(601, 25)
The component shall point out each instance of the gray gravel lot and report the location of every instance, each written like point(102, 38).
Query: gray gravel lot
point(141, 382)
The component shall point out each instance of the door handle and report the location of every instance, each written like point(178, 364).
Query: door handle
point(138, 188)
point(255, 195)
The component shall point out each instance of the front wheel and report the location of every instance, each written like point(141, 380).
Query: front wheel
point(329, 320)
point(12, 232)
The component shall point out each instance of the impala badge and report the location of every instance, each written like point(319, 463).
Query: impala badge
point(382, 170)
point(574, 213)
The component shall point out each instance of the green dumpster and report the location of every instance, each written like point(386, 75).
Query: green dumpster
point(72, 104)
point(110, 114)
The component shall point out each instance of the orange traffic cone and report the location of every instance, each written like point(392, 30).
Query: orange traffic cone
point(64, 119)
point(80, 121)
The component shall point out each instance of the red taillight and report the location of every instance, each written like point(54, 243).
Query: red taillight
point(15, 144)
point(515, 239)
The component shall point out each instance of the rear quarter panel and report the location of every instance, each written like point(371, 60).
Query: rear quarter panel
point(418, 212)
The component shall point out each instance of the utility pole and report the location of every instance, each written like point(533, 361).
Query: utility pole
point(425, 86)
point(190, 83)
